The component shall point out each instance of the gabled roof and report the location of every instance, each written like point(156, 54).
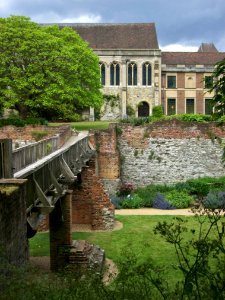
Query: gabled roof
point(117, 36)
point(207, 47)
point(192, 58)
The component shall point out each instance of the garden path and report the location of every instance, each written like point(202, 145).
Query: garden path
point(154, 212)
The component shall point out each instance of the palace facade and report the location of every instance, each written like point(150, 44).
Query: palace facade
point(136, 75)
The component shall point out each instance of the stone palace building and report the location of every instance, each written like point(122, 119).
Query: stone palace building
point(136, 75)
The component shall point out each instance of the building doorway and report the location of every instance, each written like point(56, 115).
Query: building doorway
point(143, 109)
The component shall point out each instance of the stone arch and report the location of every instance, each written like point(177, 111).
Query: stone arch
point(143, 109)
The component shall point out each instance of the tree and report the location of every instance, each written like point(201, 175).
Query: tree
point(45, 70)
point(218, 87)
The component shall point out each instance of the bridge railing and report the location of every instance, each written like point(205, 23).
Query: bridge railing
point(29, 154)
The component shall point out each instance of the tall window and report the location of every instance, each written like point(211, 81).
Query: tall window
point(132, 74)
point(208, 107)
point(146, 74)
point(171, 106)
point(190, 106)
point(102, 73)
point(171, 82)
point(208, 82)
point(114, 74)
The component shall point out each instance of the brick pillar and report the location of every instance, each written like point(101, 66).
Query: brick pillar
point(91, 204)
point(60, 227)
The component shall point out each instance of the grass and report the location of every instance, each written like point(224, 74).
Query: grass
point(86, 125)
point(136, 236)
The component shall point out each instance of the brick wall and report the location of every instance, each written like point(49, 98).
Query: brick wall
point(166, 152)
point(91, 204)
point(13, 224)
point(25, 133)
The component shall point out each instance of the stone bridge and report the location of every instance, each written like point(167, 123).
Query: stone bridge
point(40, 180)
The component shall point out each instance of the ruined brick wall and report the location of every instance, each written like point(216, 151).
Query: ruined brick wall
point(164, 152)
point(13, 224)
point(25, 133)
point(90, 202)
point(108, 157)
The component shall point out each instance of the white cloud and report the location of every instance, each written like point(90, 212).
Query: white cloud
point(83, 19)
point(178, 48)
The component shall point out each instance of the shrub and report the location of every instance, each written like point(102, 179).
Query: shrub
point(125, 189)
point(149, 192)
point(157, 111)
point(39, 134)
point(132, 201)
point(179, 199)
point(215, 200)
point(130, 111)
point(202, 186)
point(161, 203)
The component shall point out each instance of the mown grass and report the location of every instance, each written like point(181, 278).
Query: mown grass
point(137, 236)
point(86, 125)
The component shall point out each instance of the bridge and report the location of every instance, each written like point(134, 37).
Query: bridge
point(49, 173)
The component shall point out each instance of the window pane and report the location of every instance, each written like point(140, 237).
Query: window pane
point(144, 74)
point(171, 82)
point(208, 82)
point(129, 74)
point(112, 74)
point(149, 75)
point(208, 107)
point(135, 75)
point(171, 106)
point(117, 74)
point(102, 70)
point(190, 106)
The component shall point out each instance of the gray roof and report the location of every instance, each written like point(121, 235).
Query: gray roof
point(117, 36)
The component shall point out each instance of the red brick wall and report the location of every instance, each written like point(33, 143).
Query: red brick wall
point(181, 102)
point(91, 204)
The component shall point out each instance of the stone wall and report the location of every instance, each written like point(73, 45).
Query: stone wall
point(170, 152)
point(163, 152)
point(13, 223)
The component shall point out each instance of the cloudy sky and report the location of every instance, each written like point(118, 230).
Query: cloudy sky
point(181, 24)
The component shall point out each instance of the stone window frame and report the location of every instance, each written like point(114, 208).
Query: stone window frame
point(194, 101)
point(147, 81)
point(167, 78)
point(167, 100)
point(102, 69)
point(132, 78)
point(115, 81)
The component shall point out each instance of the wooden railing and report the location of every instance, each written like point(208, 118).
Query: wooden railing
point(31, 153)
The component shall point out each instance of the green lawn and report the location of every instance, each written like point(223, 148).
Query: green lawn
point(86, 125)
point(136, 236)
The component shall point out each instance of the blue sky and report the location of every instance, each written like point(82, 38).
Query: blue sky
point(181, 25)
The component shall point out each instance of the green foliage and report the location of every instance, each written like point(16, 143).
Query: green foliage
point(215, 200)
point(132, 201)
point(157, 111)
point(38, 134)
point(179, 199)
point(16, 121)
point(202, 186)
point(130, 111)
point(219, 88)
point(112, 100)
point(149, 192)
point(51, 72)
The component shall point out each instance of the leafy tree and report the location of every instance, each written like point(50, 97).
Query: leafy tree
point(218, 87)
point(46, 71)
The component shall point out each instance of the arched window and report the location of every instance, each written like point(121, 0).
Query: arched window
point(114, 74)
point(146, 74)
point(132, 74)
point(143, 109)
point(102, 73)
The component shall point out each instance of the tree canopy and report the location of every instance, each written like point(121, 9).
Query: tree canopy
point(218, 87)
point(46, 71)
